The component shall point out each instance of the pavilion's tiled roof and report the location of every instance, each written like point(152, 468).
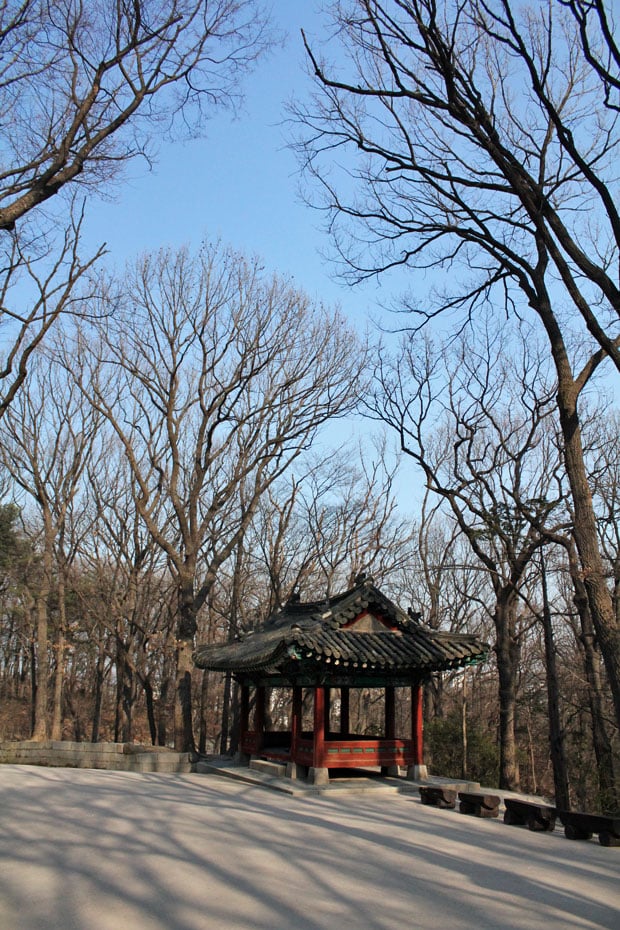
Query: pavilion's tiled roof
point(318, 634)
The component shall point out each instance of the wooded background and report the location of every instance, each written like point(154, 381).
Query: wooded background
point(170, 435)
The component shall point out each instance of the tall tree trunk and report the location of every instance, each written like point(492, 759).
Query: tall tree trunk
point(233, 626)
point(183, 725)
point(584, 519)
point(601, 742)
point(183, 722)
point(162, 712)
point(507, 651)
point(59, 674)
point(465, 759)
point(226, 712)
point(40, 729)
point(33, 680)
point(204, 704)
point(556, 731)
point(150, 708)
point(234, 734)
point(98, 696)
point(125, 687)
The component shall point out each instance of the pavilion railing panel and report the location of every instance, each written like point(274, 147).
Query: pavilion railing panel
point(357, 752)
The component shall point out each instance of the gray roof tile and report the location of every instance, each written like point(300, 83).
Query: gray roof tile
point(316, 633)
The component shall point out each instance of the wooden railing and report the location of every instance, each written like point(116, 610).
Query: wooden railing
point(351, 752)
point(357, 752)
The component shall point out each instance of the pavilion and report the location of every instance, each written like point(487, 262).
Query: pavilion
point(357, 639)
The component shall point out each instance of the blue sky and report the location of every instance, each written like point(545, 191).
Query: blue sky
point(239, 183)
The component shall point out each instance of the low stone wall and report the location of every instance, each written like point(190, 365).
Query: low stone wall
point(123, 757)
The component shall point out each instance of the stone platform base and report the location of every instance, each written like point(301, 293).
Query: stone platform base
point(120, 757)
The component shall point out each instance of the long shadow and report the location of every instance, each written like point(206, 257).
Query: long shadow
point(107, 849)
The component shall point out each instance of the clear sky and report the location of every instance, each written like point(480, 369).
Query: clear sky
point(239, 183)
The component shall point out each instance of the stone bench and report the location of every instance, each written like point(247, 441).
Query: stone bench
point(580, 826)
point(478, 804)
point(435, 796)
point(534, 815)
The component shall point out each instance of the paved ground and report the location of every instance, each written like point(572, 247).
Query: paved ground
point(91, 850)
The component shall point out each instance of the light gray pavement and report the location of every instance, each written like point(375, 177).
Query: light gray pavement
point(93, 850)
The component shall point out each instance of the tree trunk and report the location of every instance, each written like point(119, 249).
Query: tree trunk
point(234, 734)
point(40, 731)
point(150, 709)
point(464, 760)
point(94, 737)
point(33, 681)
point(204, 703)
point(59, 674)
point(556, 731)
point(183, 724)
point(507, 651)
point(226, 709)
point(584, 528)
point(609, 799)
point(162, 713)
point(125, 687)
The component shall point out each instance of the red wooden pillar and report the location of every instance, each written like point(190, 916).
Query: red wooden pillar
point(389, 730)
point(259, 718)
point(344, 712)
point(417, 726)
point(296, 721)
point(318, 753)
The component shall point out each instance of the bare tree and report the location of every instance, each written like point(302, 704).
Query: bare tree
point(604, 464)
point(214, 378)
point(350, 515)
point(37, 285)
point(446, 585)
point(45, 442)
point(474, 419)
point(599, 43)
point(133, 582)
point(84, 89)
point(484, 138)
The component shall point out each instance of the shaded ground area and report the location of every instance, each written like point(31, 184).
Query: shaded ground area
point(100, 850)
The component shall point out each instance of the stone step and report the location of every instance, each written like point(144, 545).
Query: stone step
point(268, 768)
point(243, 774)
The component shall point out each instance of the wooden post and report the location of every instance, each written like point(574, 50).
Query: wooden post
point(318, 774)
point(418, 769)
point(344, 712)
point(390, 727)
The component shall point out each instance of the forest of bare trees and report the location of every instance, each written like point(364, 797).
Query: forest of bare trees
point(172, 466)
